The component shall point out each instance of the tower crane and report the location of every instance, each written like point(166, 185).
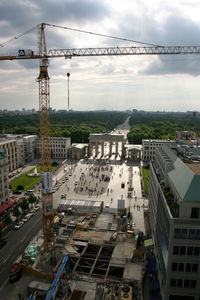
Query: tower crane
point(44, 103)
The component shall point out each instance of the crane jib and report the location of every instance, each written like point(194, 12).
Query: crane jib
point(68, 53)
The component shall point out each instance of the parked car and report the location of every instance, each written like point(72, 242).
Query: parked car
point(19, 225)
point(25, 219)
point(36, 208)
point(31, 213)
point(17, 192)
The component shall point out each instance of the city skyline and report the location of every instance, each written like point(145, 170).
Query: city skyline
point(152, 83)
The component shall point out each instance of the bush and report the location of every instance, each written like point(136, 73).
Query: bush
point(54, 164)
point(166, 189)
point(7, 219)
point(20, 187)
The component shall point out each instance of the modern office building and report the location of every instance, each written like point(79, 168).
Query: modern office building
point(11, 150)
point(149, 147)
point(174, 212)
point(59, 147)
point(26, 148)
point(3, 176)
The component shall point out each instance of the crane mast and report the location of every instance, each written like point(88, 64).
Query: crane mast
point(45, 145)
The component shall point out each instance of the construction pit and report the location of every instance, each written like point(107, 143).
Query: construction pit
point(104, 261)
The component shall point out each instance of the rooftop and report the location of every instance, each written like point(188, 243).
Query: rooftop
point(158, 141)
point(185, 177)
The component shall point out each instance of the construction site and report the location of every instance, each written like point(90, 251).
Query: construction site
point(95, 256)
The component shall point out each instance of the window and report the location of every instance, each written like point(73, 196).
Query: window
point(180, 267)
point(188, 268)
point(195, 212)
point(196, 251)
point(180, 233)
point(193, 284)
point(182, 250)
point(173, 283)
point(179, 283)
point(197, 235)
point(174, 266)
point(189, 250)
point(195, 268)
point(191, 233)
point(186, 283)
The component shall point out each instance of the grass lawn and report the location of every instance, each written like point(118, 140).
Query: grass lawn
point(145, 175)
point(25, 180)
point(39, 169)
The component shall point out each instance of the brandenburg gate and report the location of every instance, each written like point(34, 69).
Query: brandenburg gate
point(96, 140)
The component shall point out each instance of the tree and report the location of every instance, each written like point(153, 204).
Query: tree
point(20, 187)
point(7, 219)
point(24, 205)
point(54, 164)
point(32, 199)
point(16, 211)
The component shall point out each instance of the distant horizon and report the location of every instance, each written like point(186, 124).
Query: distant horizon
point(100, 110)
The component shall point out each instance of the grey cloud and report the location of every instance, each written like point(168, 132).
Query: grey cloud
point(80, 11)
point(175, 30)
point(174, 65)
point(20, 14)
point(107, 69)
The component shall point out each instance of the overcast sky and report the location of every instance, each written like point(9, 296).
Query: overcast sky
point(170, 83)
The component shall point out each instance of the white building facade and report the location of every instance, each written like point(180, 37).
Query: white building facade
point(11, 150)
point(174, 212)
point(149, 147)
point(59, 147)
point(26, 149)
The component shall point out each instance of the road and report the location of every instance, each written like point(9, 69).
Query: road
point(123, 128)
point(17, 241)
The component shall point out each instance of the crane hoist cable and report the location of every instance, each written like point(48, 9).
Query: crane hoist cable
point(68, 75)
point(102, 35)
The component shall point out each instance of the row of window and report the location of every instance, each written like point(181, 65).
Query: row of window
point(180, 283)
point(147, 157)
point(189, 251)
point(183, 233)
point(181, 267)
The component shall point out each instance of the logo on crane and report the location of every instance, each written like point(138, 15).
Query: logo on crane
point(21, 52)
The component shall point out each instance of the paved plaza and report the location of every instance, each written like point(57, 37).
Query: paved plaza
point(107, 181)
